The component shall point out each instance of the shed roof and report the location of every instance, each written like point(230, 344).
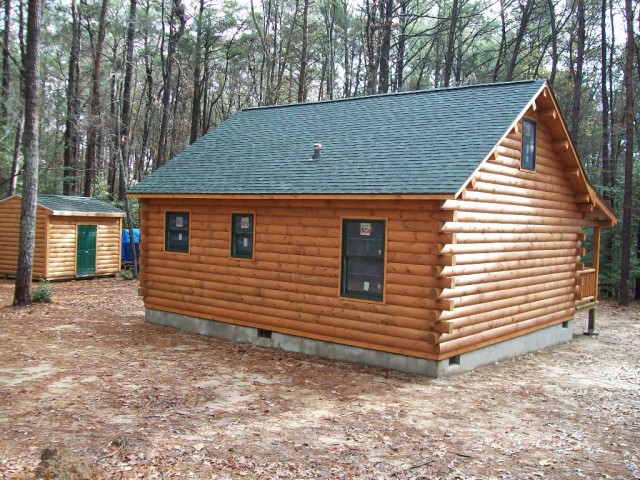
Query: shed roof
point(66, 203)
point(426, 142)
point(69, 205)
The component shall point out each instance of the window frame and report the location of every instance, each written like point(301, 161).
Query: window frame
point(535, 146)
point(359, 296)
point(167, 230)
point(232, 252)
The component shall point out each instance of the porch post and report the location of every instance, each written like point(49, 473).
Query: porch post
point(591, 328)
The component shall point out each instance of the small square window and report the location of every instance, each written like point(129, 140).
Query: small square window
point(363, 258)
point(242, 235)
point(176, 229)
point(528, 145)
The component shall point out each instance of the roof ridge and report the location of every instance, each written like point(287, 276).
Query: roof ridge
point(392, 94)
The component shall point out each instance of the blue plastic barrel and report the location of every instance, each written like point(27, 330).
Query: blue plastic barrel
point(126, 246)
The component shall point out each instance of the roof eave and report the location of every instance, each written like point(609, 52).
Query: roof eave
point(298, 196)
point(69, 213)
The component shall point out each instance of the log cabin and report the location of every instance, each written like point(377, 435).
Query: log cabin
point(75, 237)
point(429, 232)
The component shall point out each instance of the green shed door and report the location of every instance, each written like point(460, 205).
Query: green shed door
point(86, 250)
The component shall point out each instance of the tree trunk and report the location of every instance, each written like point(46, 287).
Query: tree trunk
point(371, 46)
point(606, 163)
point(347, 52)
point(385, 47)
point(437, 46)
point(330, 80)
point(503, 42)
point(30, 177)
point(577, 81)
point(637, 291)
point(17, 145)
point(126, 103)
point(457, 72)
point(171, 138)
point(448, 59)
point(93, 134)
point(302, 81)
point(524, 23)
point(197, 81)
point(175, 33)
point(402, 46)
point(613, 137)
point(122, 184)
point(6, 38)
point(148, 66)
point(554, 42)
point(73, 107)
point(112, 165)
point(625, 259)
point(205, 117)
point(607, 173)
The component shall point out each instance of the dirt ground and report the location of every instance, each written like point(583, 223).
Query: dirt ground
point(88, 390)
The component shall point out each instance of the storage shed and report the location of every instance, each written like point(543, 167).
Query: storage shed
point(429, 232)
point(75, 237)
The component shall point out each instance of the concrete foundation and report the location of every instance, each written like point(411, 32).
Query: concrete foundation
point(431, 368)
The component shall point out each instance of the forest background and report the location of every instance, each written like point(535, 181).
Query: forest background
point(139, 80)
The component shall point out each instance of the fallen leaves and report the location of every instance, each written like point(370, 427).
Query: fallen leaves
point(124, 399)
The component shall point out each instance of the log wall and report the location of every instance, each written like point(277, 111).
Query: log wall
point(499, 261)
point(10, 235)
point(62, 245)
point(292, 285)
point(109, 247)
point(517, 248)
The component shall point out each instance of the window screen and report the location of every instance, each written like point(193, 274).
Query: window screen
point(528, 145)
point(363, 258)
point(177, 232)
point(242, 235)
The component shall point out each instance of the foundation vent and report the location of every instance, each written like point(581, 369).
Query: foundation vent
point(264, 333)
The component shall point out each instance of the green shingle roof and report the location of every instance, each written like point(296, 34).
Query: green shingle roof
point(63, 203)
point(405, 143)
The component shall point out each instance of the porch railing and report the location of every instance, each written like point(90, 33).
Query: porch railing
point(588, 283)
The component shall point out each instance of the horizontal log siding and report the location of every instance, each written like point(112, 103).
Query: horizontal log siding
point(62, 245)
point(516, 249)
point(39, 254)
point(292, 284)
point(10, 237)
point(108, 246)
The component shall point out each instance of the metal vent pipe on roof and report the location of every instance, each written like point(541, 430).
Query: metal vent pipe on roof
point(317, 151)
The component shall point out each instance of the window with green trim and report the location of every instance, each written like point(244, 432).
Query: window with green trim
point(176, 229)
point(363, 258)
point(242, 235)
point(528, 144)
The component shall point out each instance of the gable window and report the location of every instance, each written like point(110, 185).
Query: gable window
point(528, 144)
point(242, 235)
point(363, 258)
point(176, 232)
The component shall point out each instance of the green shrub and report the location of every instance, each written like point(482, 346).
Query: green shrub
point(42, 293)
point(126, 274)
